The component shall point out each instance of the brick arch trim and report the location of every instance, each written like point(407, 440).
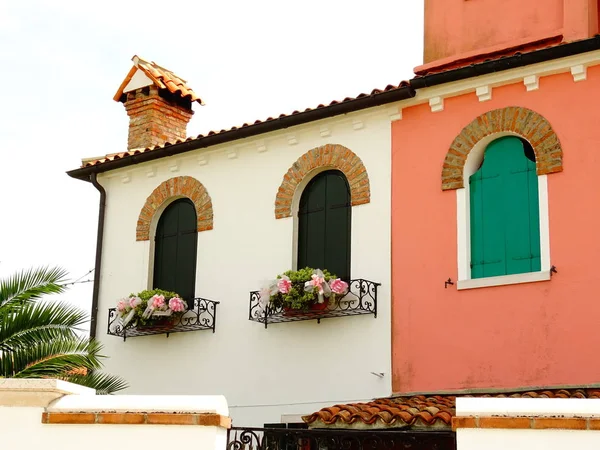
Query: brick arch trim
point(176, 187)
point(522, 121)
point(327, 156)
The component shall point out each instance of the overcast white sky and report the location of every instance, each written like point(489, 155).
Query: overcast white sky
point(61, 62)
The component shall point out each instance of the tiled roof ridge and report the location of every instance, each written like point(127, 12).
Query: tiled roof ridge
point(424, 410)
point(161, 77)
point(158, 66)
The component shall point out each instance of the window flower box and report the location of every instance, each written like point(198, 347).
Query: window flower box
point(311, 294)
point(160, 312)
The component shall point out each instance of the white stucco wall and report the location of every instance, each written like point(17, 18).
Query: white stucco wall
point(474, 439)
point(527, 439)
point(22, 403)
point(22, 429)
point(290, 368)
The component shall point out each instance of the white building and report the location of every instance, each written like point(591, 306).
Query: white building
point(244, 188)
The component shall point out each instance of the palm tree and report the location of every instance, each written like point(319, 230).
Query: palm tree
point(39, 338)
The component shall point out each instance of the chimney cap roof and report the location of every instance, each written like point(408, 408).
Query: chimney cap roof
point(160, 77)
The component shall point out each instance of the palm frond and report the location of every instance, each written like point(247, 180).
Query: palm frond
point(31, 284)
point(40, 340)
point(103, 383)
point(50, 359)
point(39, 322)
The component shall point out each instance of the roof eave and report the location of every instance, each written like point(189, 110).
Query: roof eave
point(378, 99)
point(507, 63)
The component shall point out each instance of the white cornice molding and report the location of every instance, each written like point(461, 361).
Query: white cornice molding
point(436, 103)
point(395, 113)
point(260, 146)
point(579, 72)
point(357, 124)
point(531, 82)
point(484, 93)
point(569, 64)
point(324, 131)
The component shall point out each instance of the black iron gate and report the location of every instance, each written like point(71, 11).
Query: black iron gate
point(337, 439)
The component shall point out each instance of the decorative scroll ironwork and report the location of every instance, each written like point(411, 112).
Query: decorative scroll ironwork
point(360, 299)
point(203, 316)
point(305, 439)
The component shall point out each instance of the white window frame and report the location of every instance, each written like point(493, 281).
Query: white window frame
point(463, 216)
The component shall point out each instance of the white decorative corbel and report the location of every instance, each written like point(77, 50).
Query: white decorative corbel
point(292, 139)
point(126, 178)
point(173, 166)
point(232, 153)
point(484, 93)
point(436, 104)
point(532, 82)
point(579, 72)
point(395, 113)
point(202, 160)
point(324, 131)
point(357, 124)
point(151, 172)
point(261, 147)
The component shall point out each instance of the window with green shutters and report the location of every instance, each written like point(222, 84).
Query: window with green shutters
point(175, 250)
point(324, 224)
point(504, 211)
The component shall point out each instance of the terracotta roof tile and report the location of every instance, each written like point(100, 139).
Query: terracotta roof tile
point(437, 67)
point(419, 411)
point(113, 156)
point(161, 77)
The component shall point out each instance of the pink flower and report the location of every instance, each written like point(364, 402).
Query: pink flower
point(317, 282)
point(284, 285)
point(157, 301)
point(134, 302)
point(177, 305)
point(122, 306)
point(338, 286)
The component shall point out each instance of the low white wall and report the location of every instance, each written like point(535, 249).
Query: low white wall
point(527, 424)
point(28, 410)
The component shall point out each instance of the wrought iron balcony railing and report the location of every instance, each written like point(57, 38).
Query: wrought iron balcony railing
point(308, 439)
point(360, 299)
point(203, 316)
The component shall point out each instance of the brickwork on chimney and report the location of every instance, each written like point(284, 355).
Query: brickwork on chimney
point(154, 120)
point(521, 121)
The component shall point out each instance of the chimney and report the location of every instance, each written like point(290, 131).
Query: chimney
point(158, 103)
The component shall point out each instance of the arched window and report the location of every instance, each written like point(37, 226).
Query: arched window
point(324, 218)
point(175, 249)
point(504, 211)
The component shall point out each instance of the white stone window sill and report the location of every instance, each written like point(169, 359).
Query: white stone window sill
point(518, 278)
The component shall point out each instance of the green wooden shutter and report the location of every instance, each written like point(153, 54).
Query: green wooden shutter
point(504, 206)
point(175, 249)
point(324, 224)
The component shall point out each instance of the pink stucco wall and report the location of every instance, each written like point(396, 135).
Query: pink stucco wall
point(544, 333)
point(459, 28)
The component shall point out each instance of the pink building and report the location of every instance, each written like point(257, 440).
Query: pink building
point(495, 218)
